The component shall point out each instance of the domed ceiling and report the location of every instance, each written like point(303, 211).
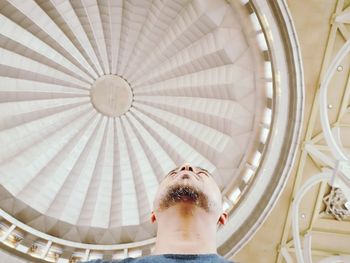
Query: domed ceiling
point(100, 99)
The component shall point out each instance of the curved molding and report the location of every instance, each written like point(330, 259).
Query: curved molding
point(289, 87)
point(336, 149)
point(67, 243)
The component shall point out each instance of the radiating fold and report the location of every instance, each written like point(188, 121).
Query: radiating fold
point(81, 175)
point(11, 30)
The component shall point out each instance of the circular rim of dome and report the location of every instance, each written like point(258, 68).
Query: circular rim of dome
point(228, 59)
point(226, 239)
point(272, 174)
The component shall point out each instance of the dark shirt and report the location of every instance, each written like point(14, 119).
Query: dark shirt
point(169, 258)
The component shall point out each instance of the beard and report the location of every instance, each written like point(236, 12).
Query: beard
point(188, 194)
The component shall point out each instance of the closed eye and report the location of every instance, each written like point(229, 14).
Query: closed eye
point(202, 171)
point(172, 172)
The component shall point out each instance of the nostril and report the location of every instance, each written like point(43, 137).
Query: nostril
point(186, 167)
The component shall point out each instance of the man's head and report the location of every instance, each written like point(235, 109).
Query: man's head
point(190, 188)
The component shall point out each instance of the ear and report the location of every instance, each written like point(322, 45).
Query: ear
point(223, 218)
point(153, 217)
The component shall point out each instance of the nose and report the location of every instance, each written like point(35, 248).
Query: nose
point(186, 167)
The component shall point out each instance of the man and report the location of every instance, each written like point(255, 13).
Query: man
point(188, 209)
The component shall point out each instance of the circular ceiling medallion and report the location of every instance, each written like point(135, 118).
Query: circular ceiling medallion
point(111, 95)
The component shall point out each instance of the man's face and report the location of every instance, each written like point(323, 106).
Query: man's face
point(190, 185)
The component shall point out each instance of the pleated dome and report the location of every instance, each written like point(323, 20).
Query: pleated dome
point(100, 99)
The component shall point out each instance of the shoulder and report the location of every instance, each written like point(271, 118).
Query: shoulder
point(194, 258)
point(167, 258)
point(126, 260)
point(224, 260)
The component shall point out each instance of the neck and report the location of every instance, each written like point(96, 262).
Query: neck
point(184, 229)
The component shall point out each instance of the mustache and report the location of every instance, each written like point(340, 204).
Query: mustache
point(177, 193)
point(181, 193)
